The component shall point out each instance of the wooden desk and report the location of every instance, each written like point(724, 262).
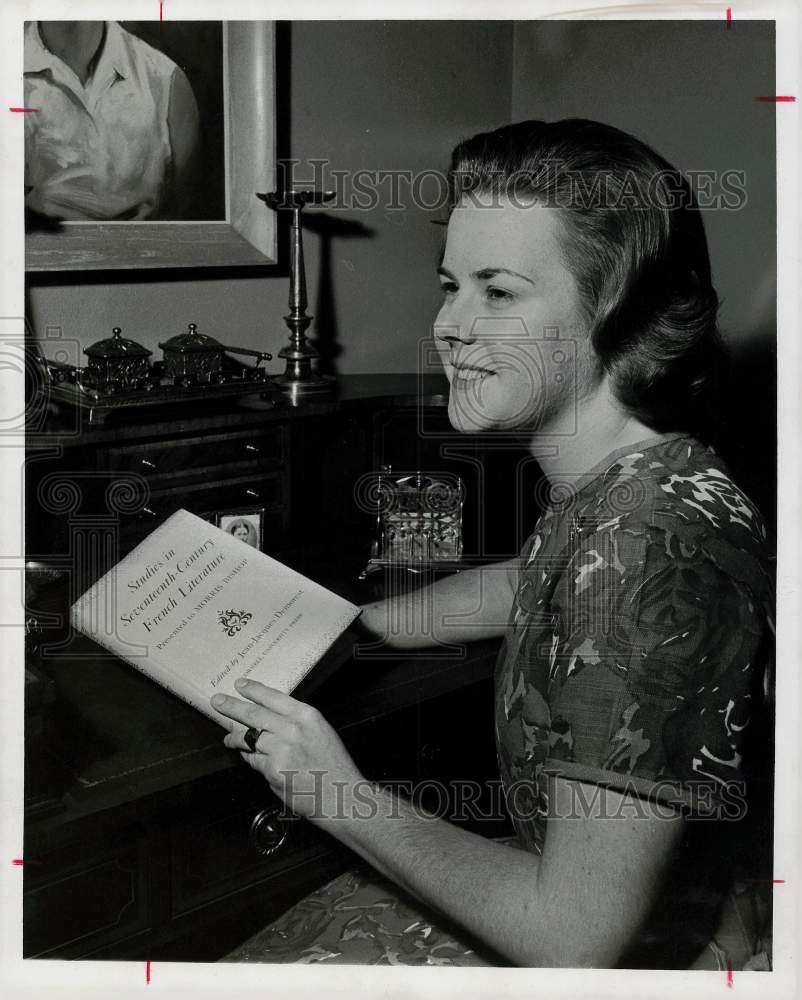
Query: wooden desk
point(137, 839)
point(148, 852)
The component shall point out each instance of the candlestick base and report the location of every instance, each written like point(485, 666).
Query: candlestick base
point(297, 390)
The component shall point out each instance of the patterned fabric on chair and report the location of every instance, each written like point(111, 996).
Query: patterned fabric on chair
point(361, 918)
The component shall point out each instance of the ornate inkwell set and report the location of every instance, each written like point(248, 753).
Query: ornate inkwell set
point(119, 372)
point(196, 366)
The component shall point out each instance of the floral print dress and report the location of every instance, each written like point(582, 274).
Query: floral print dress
point(637, 657)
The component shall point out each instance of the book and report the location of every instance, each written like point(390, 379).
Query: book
point(194, 608)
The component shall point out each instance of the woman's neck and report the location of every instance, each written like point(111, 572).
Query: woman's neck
point(76, 43)
point(585, 433)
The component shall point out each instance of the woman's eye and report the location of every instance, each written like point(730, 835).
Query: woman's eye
point(448, 287)
point(498, 294)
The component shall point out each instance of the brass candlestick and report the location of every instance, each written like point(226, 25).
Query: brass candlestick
point(299, 379)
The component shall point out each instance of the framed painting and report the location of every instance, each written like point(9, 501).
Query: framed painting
point(230, 68)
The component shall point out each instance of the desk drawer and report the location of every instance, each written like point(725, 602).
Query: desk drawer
point(268, 491)
point(134, 529)
point(72, 907)
point(215, 858)
point(185, 456)
point(237, 491)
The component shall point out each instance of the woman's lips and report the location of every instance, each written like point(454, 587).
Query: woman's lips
point(471, 374)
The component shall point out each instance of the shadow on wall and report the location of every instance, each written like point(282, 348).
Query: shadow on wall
point(328, 228)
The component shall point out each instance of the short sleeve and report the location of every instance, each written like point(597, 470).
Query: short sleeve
point(657, 670)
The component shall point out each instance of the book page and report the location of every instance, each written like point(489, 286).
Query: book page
point(200, 608)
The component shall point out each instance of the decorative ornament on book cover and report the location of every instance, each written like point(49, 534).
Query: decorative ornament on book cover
point(194, 608)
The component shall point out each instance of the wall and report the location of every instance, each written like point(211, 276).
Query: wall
point(383, 95)
point(688, 89)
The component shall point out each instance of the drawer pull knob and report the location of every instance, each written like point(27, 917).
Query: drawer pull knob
point(252, 493)
point(252, 447)
point(269, 831)
point(147, 464)
point(148, 512)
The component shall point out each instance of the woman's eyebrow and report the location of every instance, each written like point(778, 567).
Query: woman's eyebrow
point(485, 274)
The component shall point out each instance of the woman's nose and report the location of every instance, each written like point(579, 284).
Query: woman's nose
point(451, 325)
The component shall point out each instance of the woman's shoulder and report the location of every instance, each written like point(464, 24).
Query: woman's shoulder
point(675, 507)
point(142, 54)
point(670, 513)
point(681, 486)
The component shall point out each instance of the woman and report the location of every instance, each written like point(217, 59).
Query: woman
point(116, 130)
point(579, 313)
point(243, 529)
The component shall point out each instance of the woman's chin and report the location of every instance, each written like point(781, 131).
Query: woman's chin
point(473, 419)
point(487, 406)
point(458, 421)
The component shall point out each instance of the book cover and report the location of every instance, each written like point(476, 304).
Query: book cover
point(194, 608)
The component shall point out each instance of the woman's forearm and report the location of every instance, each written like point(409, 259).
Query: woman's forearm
point(484, 886)
point(578, 905)
point(467, 606)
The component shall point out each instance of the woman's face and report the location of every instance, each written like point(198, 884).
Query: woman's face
point(511, 332)
point(241, 531)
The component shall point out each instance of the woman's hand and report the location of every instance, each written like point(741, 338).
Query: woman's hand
point(299, 753)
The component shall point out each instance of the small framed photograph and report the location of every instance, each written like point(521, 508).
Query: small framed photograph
point(245, 523)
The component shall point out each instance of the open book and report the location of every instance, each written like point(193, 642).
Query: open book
point(194, 608)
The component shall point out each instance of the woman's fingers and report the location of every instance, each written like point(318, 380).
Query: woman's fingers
point(265, 703)
point(269, 697)
point(251, 715)
point(240, 711)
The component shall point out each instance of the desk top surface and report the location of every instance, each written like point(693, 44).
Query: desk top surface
point(66, 426)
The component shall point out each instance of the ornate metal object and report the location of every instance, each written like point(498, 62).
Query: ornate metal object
point(299, 378)
point(196, 358)
point(269, 830)
point(418, 521)
point(119, 377)
point(118, 363)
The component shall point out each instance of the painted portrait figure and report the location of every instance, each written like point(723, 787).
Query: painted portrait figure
point(115, 131)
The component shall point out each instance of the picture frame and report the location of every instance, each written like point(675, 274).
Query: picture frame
point(239, 517)
point(247, 235)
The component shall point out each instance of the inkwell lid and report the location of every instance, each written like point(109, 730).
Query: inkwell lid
point(192, 342)
point(116, 347)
